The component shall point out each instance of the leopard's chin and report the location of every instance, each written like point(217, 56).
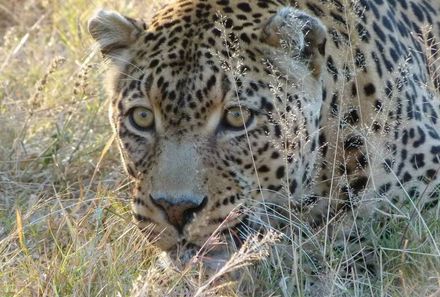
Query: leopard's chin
point(212, 254)
point(184, 255)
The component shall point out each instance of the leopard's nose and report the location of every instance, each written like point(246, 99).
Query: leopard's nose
point(179, 210)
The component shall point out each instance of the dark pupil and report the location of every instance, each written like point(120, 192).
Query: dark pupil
point(143, 114)
point(236, 114)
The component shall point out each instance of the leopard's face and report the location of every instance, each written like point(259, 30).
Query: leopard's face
point(213, 116)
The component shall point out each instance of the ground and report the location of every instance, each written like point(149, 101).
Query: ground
point(65, 226)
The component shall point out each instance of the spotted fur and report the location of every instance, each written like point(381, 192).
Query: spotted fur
point(343, 104)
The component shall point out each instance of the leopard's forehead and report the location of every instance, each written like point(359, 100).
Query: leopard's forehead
point(187, 28)
point(201, 12)
point(198, 57)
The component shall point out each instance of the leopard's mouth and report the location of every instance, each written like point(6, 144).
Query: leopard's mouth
point(214, 253)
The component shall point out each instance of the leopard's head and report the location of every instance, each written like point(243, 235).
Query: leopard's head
point(216, 109)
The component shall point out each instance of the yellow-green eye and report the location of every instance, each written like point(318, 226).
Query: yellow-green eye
point(142, 118)
point(237, 118)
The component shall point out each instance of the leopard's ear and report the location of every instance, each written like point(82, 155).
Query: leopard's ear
point(114, 32)
point(300, 35)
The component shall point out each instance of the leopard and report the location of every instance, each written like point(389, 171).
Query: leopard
point(231, 115)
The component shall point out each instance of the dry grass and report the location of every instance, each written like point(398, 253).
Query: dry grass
point(65, 226)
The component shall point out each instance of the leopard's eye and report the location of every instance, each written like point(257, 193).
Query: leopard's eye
point(141, 118)
point(237, 117)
